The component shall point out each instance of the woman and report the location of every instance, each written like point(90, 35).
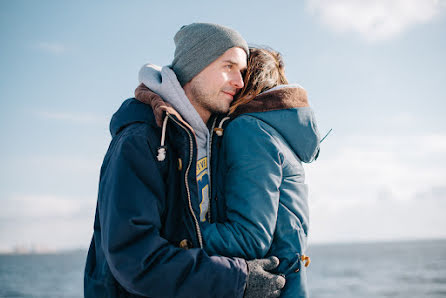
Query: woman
point(261, 206)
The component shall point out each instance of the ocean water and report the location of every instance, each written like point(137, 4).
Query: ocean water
point(394, 269)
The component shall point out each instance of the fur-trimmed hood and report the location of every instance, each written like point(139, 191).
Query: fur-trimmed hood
point(278, 98)
point(286, 109)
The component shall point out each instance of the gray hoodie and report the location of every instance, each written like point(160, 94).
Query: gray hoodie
point(164, 82)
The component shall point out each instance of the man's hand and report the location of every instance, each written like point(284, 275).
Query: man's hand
point(261, 283)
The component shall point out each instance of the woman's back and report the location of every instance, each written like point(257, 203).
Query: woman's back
point(261, 192)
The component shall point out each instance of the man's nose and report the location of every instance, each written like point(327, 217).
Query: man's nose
point(237, 80)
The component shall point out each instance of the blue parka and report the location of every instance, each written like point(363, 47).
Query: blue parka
point(147, 240)
point(261, 200)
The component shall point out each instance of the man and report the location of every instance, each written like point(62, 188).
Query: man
point(147, 240)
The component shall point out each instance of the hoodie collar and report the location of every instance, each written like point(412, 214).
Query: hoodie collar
point(164, 82)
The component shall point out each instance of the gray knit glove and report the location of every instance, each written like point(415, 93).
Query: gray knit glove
point(262, 283)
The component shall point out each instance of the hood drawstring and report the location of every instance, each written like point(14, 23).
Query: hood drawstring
point(162, 149)
point(219, 130)
point(326, 135)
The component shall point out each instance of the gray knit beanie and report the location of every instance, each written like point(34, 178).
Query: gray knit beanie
point(199, 44)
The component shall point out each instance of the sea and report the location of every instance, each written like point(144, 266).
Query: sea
point(387, 269)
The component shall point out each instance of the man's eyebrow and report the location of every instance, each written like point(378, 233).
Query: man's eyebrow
point(233, 63)
point(230, 61)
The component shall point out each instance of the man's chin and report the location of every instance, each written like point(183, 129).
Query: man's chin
point(220, 110)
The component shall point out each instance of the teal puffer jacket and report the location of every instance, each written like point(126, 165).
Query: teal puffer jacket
point(261, 204)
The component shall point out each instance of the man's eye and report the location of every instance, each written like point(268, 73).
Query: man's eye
point(229, 66)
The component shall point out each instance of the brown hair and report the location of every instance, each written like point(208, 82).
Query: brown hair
point(265, 70)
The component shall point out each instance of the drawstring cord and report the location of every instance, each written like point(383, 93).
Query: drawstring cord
point(326, 135)
point(219, 130)
point(162, 149)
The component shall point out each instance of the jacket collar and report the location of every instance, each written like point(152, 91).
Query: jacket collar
point(286, 97)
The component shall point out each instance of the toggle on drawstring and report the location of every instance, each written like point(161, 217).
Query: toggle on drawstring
point(305, 259)
point(219, 130)
point(162, 149)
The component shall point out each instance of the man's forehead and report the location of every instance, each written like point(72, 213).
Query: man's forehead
point(236, 56)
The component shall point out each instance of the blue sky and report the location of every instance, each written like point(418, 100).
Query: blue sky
point(375, 72)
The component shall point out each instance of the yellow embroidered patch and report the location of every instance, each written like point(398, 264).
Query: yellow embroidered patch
point(202, 165)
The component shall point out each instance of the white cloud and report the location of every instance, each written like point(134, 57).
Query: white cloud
point(65, 164)
point(55, 166)
point(378, 187)
point(52, 47)
point(62, 176)
point(45, 222)
point(379, 220)
point(402, 119)
point(44, 206)
point(405, 165)
point(375, 19)
point(76, 118)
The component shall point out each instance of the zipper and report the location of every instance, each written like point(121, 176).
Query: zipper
point(209, 215)
point(197, 226)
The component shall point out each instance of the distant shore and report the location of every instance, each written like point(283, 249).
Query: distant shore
point(38, 250)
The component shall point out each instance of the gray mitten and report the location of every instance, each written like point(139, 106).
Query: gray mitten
point(262, 283)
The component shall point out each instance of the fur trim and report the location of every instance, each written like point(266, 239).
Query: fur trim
point(280, 99)
point(159, 106)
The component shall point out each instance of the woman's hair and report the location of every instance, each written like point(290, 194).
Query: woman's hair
point(265, 70)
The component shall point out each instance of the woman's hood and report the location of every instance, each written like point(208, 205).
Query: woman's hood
point(286, 109)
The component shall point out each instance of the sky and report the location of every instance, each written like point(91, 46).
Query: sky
point(374, 70)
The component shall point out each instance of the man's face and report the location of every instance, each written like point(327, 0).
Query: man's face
point(213, 89)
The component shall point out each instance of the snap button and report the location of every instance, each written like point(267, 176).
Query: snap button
point(186, 244)
point(180, 164)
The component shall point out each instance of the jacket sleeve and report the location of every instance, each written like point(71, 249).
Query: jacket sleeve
point(131, 200)
point(253, 166)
